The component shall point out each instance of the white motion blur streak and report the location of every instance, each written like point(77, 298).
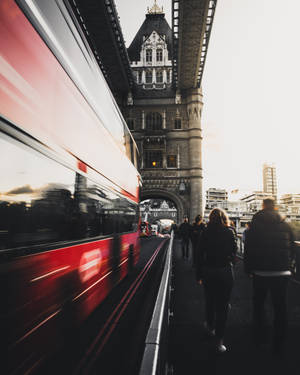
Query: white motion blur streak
point(78, 61)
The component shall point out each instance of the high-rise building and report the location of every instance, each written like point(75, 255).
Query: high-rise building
point(270, 180)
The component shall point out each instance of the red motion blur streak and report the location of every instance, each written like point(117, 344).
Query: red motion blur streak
point(38, 96)
point(99, 342)
point(44, 291)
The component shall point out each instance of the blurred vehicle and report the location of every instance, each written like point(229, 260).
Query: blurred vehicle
point(69, 185)
point(154, 229)
point(145, 230)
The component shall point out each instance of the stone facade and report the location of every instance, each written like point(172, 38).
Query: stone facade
point(154, 214)
point(165, 123)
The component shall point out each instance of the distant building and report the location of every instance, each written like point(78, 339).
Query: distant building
point(270, 180)
point(233, 206)
point(292, 213)
point(214, 197)
point(290, 206)
point(154, 210)
point(254, 200)
point(236, 210)
point(290, 199)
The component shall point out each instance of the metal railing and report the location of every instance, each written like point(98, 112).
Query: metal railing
point(155, 353)
point(297, 262)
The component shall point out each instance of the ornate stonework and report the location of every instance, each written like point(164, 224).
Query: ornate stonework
point(165, 122)
point(156, 9)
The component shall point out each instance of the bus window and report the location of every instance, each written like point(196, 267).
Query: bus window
point(43, 202)
point(36, 201)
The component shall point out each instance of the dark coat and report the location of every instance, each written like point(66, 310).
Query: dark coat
point(217, 248)
point(269, 244)
point(196, 231)
point(185, 231)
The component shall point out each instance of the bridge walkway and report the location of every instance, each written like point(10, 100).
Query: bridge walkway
point(191, 352)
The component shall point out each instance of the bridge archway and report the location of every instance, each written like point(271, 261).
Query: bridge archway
point(162, 194)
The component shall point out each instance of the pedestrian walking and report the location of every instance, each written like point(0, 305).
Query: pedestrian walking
point(233, 226)
point(215, 257)
point(196, 230)
point(245, 233)
point(269, 250)
point(184, 232)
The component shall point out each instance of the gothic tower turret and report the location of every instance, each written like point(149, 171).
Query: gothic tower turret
point(164, 122)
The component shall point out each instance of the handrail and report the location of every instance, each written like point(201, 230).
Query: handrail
point(152, 358)
point(297, 262)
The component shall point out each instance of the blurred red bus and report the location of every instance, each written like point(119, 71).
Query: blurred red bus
point(69, 184)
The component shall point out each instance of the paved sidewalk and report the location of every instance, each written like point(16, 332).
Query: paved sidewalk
point(192, 353)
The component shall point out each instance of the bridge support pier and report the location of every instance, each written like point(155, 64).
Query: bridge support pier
point(194, 109)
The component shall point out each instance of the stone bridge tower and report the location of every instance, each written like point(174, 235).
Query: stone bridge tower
point(165, 123)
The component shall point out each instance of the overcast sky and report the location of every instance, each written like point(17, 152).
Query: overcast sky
point(250, 87)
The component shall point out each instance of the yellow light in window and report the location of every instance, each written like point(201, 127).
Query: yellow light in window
point(154, 163)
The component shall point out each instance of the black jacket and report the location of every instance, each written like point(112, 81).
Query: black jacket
point(196, 231)
point(185, 231)
point(269, 244)
point(217, 248)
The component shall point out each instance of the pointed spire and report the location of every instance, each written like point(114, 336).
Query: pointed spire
point(155, 9)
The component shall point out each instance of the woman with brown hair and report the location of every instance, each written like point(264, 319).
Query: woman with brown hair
point(216, 253)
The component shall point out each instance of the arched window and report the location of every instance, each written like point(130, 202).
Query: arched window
point(148, 55)
point(159, 54)
point(153, 121)
point(159, 76)
point(149, 76)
